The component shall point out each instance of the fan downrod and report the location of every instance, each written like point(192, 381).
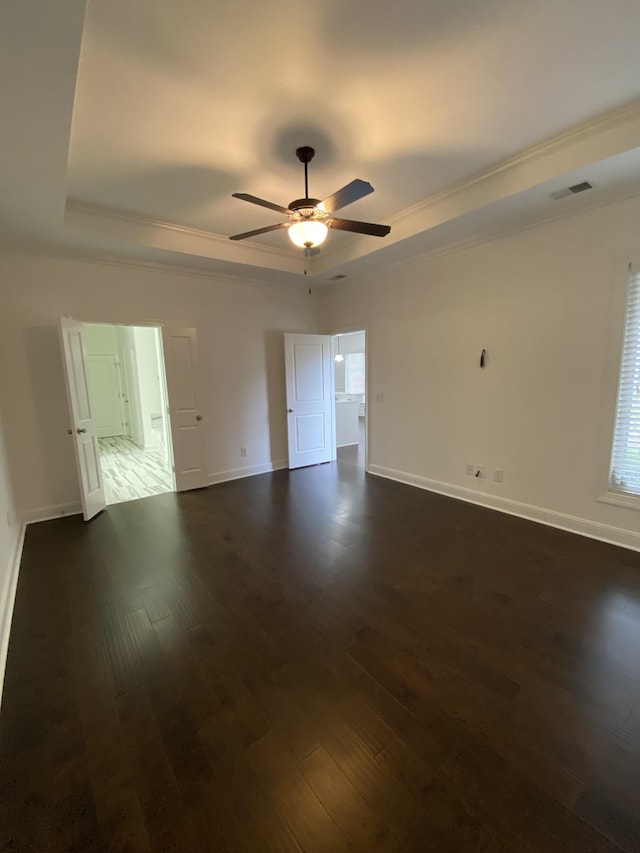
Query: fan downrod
point(305, 154)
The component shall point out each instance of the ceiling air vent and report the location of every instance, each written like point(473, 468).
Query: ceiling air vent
point(580, 188)
point(337, 277)
point(573, 190)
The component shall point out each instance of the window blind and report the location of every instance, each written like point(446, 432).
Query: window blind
point(625, 456)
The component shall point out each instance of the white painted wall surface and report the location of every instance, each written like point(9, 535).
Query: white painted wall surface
point(546, 304)
point(240, 330)
point(100, 339)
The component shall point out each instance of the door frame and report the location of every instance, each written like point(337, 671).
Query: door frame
point(351, 330)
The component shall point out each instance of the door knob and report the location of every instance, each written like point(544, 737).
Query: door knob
point(198, 417)
point(80, 430)
point(290, 411)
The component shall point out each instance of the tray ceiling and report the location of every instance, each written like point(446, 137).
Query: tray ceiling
point(168, 107)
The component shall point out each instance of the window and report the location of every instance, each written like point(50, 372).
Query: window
point(354, 373)
point(625, 457)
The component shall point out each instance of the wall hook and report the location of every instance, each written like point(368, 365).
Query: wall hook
point(483, 357)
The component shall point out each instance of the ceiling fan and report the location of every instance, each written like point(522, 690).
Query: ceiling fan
point(310, 218)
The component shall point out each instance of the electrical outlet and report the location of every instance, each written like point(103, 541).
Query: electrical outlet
point(478, 472)
point(379, 397)
point(243, 451)
point(470, 469)
point(498, 475)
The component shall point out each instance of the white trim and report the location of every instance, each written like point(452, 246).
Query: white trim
point(620, 499)
point(560, 520)
point(47, 513)
point(119, 215)
point(602, 123)
point(7, 602)
point(297, 288)
point(247, 471)
point(602, 198)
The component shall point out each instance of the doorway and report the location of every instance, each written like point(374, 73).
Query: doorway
point(350, 384)
point(127, 390)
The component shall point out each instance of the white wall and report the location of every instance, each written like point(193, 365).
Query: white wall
point(546, 304)
point(241, 355)
point(99, 340)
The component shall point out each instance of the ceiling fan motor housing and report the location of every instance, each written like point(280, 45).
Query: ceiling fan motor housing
point(305, 207)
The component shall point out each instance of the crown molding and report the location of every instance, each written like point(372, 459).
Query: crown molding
point(515, 174)
point(612, 133)
point(296, 288)
point(603, 122)
point(100, 211)
point(602, 199)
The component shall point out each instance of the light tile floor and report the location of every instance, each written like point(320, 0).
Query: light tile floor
point(130, 472)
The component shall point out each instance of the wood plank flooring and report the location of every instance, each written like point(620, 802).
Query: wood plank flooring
point(317, 661)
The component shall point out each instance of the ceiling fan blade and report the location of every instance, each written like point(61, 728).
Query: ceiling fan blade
point(259, 231)
point(255, 200)
point(359, 227)
point(347, 195)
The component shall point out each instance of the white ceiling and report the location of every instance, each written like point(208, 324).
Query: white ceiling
point(145, 116)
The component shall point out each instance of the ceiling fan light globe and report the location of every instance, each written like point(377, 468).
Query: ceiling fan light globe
point(307, 233)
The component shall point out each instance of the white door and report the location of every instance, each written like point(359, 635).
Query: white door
point(83, 428)
point(164, 404)
point(189, 454)
point(309, 405)
point(107, 395)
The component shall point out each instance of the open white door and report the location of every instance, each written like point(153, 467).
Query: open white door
point(309, 405)
point(189, 454)
point(83, 426)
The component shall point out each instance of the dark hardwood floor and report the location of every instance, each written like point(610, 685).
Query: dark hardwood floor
point(322, 661)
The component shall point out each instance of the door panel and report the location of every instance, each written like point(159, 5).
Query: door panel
point(189, 454)
point(310, 432)
point(309, 405)
point(84, 437)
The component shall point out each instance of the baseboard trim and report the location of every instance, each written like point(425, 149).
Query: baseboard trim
point(248, 471)
point(47, 513)
point(7, 601)
point(551, 518)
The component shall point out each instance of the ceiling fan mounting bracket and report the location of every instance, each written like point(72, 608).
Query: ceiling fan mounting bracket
point(305, 154)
